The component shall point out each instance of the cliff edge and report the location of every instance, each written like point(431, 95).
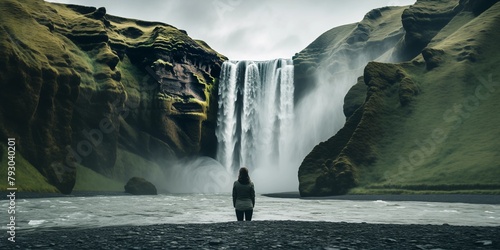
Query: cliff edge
point(82, 89)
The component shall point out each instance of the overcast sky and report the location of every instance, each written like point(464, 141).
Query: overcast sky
point(244, 29)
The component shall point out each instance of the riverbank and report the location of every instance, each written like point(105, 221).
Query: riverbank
point(36, 195)
point(452, 198)
point(262, 235)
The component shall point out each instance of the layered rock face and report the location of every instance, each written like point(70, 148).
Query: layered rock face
point(427, 124)
point(79, 86)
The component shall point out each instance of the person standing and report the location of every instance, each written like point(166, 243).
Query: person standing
point(243, 196)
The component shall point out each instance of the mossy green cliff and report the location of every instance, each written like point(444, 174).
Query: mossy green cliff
point(340, 51)
point(427, 124)
point(81, 88)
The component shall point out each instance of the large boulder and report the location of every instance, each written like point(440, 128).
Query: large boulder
point(140, 186)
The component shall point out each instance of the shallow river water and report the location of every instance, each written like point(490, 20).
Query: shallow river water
point(97, 211)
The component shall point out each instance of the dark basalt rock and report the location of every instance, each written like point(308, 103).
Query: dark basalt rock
point(140, 186)
point(422, 21)
point(477, 6)
point(132, 32)
point(99, 13)
point(374, 14)
point(432, 57)
point(355, 97)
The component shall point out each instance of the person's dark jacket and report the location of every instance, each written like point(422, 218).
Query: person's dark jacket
point(243, 196)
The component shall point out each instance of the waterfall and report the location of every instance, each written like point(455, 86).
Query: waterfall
point(262, 127)
point(255, 114)
point(259, 127)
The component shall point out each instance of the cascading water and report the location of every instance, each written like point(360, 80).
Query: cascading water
point(259, 127)
point(255, 113)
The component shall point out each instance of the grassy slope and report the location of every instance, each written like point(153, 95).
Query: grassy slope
point(128, 165)
point(89, 180)
point(27, 177)
point(467, 157)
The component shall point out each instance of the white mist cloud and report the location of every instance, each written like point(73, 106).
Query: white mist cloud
point(196, 175)
point(252, 30)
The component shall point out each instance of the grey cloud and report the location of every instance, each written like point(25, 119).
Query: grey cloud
point(241, 29)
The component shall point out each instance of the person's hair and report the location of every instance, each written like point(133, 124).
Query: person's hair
point(243, 176)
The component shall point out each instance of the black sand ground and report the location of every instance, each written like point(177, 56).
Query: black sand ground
point(263, 235)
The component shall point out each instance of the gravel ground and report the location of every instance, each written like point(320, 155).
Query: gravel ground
point(262, 235)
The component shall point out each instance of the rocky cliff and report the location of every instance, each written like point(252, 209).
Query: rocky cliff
point(80, 88)
point(428, 121)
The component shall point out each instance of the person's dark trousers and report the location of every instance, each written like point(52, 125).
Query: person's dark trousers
point(247, 214)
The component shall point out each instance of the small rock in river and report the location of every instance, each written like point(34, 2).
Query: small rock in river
point(215, 242)
point(391, 240)
point(484, 242)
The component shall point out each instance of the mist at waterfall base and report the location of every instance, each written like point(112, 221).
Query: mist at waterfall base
point(200, 175)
